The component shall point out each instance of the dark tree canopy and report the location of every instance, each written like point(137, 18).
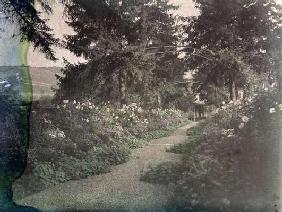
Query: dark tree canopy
point(123, 43)
point(234, 36)
point(31, 26)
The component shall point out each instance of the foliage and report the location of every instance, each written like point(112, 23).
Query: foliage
point(164, 173)
point(229, 161)
point(229, 40)
point(31, 26)
point(13, 139)
point(195, 139)
point(79, 139)
point(124, 46)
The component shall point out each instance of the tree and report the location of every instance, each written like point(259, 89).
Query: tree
point(121, 41)
point(233, 36)
point(31, 26)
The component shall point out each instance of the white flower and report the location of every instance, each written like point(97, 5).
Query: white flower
point(133, 104)
point(245, 119)
point(241, 125)
point(228, 132)
point(272, 110)
point(61, 134)
point(74, 102)
point(47, 121)
point(7, 85)
point(273, 84)
point(52, 134)
point(216, 110)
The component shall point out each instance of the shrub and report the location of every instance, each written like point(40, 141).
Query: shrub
point(230, 160)
point(164, 173)
point(75, 140)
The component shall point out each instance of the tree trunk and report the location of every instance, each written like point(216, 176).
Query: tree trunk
point(159, 98)
point(280, 86)
point(236, 91)
point(233, 90)
point(215, 95)
point(122, 88)
point(231, 93)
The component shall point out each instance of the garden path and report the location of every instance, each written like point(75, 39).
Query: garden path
point(121, 188)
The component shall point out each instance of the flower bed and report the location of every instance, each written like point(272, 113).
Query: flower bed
point(75, 140)
point(230, 161)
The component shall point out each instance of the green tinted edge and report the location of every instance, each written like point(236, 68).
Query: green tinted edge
point(27, 87)
point(27, 95)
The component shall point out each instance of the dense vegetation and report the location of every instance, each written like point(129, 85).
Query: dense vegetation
point(231, 44)
point(123, 96)
point(31, 26)
point(124, 93)
point(79, 139)
point(230, 161)
point(131, 53)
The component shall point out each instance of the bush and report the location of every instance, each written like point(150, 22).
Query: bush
point(230, 160)
point(79, 139)
point(114, 154)
point(164, 173)
point(194, 140)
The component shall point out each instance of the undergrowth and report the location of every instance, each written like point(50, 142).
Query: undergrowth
point(230, 161)
point(75, 140)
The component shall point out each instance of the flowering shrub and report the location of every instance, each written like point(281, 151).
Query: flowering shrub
point(78, 139)
point(229, 160)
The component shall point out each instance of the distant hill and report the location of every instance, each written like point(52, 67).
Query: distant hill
point(43, 80)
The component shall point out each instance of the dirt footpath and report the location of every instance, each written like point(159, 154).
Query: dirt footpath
point(119, 189)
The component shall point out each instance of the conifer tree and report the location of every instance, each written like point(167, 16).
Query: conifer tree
point(121, 42)
point(232, 37)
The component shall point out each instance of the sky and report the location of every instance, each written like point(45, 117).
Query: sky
point(186, 7)
point(9, 54)
point(57, 23)
point(37, 59)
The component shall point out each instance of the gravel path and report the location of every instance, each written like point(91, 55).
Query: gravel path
point(119, 189)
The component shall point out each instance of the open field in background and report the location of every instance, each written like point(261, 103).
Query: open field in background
point(76, 140)
point(43, 80)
